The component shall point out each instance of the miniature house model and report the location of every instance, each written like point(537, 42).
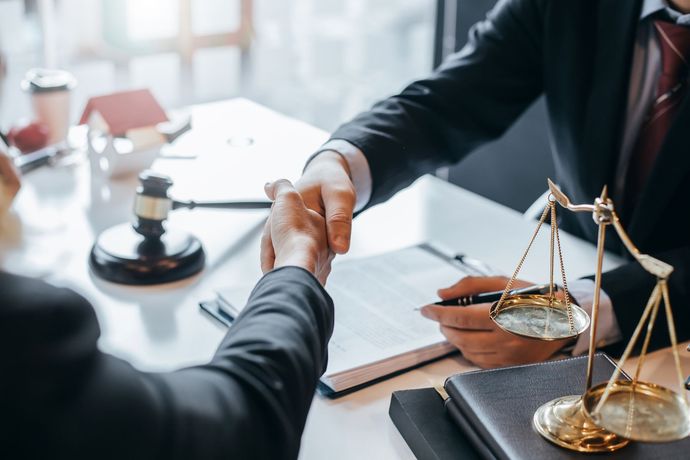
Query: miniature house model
point(123, 132)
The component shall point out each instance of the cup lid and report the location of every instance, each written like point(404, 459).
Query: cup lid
point(45, 80)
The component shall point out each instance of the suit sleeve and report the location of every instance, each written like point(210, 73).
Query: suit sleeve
point(61, 397)
point(472, 98)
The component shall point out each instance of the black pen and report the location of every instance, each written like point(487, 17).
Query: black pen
point(488, 297)
point(213, 309)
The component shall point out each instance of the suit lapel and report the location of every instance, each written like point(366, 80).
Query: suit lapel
point(616, 28)
point(671, 167)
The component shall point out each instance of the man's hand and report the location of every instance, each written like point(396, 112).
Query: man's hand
point(9, 182)
point(294, 234)
point(479, 339)
point(326, 188)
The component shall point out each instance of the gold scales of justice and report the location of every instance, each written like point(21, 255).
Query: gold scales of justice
point(609, 415)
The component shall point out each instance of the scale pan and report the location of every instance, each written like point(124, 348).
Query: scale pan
point(538, 317)
point(639, 411)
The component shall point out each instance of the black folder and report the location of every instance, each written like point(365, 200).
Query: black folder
point(489, 414)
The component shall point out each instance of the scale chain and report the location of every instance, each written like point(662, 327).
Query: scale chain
point(509, 286)
point(566, 294)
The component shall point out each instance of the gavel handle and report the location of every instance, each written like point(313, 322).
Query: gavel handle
point(259, 204)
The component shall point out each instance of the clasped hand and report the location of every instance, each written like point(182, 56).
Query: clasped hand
point(317, 213)
point(294, 234)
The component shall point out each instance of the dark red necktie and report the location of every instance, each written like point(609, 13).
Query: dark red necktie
point(674, 41)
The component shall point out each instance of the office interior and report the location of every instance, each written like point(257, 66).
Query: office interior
point(286, 71)
point(333, 60)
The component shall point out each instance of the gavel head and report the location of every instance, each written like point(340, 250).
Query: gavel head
point(152, 204)
point(120, 255)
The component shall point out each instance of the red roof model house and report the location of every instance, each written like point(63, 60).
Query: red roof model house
point(123, 132)
point(130, 114)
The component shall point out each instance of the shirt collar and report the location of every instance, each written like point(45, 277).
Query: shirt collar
point(650, 7)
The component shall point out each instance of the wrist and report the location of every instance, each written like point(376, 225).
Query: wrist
point(329, 158)
point(299, 254)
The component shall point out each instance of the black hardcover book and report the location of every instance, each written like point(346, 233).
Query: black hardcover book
point(433, 431)
point(420, 417)
point(498, 406)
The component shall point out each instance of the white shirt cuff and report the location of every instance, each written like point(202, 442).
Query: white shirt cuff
point(359, 168)
point(608, 331)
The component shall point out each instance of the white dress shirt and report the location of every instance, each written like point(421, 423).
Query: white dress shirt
point(646, 66)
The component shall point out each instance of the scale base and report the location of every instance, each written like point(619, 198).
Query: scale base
point(563, 422)
point(123, 256)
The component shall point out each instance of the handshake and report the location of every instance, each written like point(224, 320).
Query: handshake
point(311, 221)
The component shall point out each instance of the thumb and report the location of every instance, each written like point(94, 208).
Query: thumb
point(339, 204)
point(281, 187)
point(471, 285)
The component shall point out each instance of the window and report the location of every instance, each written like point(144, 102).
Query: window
point(318, 60)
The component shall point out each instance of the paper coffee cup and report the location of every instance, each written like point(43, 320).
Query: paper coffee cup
point(50, 99)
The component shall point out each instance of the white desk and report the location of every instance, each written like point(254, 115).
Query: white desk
point(59, 211)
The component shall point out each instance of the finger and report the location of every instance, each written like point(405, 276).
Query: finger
point(473, 317)
point(268, 255)
point(478, 342)
point(282, 188)
point(323, 273)
point(473, 285)
point(324, 268)
point(339, 203)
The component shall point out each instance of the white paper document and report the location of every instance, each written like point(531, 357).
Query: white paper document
point(376, 305)
point(378, 327)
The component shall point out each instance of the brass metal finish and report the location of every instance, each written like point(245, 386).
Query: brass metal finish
point(539, 317)
point(610, 414)
point(639, 411)
point(152, 207)
point(563, 422)
point(601, 238)
point(542, 317)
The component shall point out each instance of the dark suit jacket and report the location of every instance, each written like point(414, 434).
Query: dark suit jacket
point(578, 54)
point(60, 397)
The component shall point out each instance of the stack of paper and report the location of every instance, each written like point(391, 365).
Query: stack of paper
point(378, 327)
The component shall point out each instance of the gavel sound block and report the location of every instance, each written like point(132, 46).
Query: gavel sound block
point(146, 252)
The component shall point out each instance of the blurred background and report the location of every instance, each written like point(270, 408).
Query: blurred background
point(321, 61)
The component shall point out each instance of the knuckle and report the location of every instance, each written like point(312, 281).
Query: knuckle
point(339, 216)
point(342, 192)
point(343, 189)
point(290, 195)
point(458, 321)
